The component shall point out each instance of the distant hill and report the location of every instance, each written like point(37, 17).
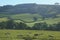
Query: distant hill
point(32, 8)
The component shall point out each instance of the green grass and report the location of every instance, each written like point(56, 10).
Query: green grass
point(3, 19)
point(42, 34)
point(28, 18)
point(48, 21)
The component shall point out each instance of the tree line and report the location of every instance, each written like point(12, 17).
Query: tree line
point(10, 24)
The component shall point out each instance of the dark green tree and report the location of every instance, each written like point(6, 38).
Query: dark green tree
point(2, 25)
point(57, 26)
point(21, 26)
point(10, 24)
point(40, 26)
point(37, 26)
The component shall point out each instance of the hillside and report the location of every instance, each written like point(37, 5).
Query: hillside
point(32, 8)
point(30, 13)
point(29, 19)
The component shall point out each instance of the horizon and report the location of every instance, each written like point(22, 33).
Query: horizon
point(29, 3)
point(14, 2)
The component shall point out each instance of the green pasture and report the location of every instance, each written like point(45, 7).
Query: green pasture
point(20, 34)
point(28, 18)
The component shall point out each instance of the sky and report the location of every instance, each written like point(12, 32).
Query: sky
point(14, 2)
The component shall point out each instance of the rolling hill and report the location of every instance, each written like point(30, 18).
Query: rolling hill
point(31, 13)
point(32, 8)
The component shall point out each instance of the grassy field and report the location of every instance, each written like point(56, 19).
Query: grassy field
point(22, 34)
point(31, 34)
point(3, 19)
point(28, 18)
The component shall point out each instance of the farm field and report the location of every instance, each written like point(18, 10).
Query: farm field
point(29, 35)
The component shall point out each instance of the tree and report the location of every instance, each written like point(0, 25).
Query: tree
point(44, 26)
point(34, 18)
point(50, 27)
point(10, 24)
point(21, 26)
point(37, 26)
point(2, 25)
point(57, 26)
